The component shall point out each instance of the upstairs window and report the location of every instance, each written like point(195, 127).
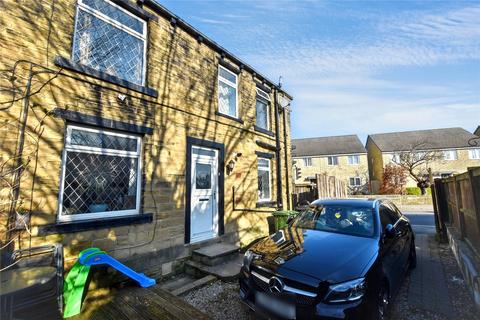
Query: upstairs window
point(450, 155)
point(307, 162)
point(264, 180)
point(474, 153)
point(332, 160)
point(353, 159)
point(262, 109)
point(227, 92)
point(100, 174)
point(110, 39)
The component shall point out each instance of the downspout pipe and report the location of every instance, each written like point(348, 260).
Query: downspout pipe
point(285, 150)
point(277, 152)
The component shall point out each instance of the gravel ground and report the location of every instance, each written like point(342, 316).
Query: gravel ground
point(220, 299)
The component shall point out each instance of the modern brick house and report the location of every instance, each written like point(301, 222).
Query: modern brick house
point(455, 154)
point(141, 135)
point(343, 157)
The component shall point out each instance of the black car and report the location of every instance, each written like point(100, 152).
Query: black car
point(339, 259)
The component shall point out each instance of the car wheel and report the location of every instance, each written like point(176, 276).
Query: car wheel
point(412, 259)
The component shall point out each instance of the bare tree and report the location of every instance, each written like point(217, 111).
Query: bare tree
point(415, 159)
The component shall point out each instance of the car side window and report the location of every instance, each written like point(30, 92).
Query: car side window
point(386, 216)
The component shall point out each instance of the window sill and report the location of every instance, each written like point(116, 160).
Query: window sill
point(229, 117)
point(70, 65)
point(93, 224)
point(266, 204)
point(267, 132)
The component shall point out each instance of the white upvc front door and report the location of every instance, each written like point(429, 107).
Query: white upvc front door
point(204, 190)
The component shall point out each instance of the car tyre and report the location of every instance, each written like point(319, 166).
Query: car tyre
point(412, 259)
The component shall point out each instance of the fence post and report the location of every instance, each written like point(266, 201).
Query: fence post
point(476, 200)
point(458, 205)
point(439, 207)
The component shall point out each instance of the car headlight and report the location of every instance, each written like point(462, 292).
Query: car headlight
point(346, 291)
point(248, 258)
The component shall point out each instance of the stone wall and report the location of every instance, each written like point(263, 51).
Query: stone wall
point(184, 72)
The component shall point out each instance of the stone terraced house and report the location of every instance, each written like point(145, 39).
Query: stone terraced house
point(342, 157)
point(452, 145)
point(135, 132)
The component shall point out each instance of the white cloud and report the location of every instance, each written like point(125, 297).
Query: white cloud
point(460, 24)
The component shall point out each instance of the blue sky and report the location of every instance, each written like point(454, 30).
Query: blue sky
point(356, 67)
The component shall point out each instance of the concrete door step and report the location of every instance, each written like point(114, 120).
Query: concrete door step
point(215, 253)
point(184, 283)
point(227, 270)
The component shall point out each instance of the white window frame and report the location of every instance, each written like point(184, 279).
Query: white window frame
point(450, 153)
point(474, 154)
point(235, 85)
point(115, 23)
point(265, 98)
point(307, 161)
point(355, 180)
point(351, 157)
point(86, 149)
point(269, 170)
point(334, 163)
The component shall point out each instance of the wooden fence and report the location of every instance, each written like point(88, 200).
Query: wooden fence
point(323, 187)
point(457, 204)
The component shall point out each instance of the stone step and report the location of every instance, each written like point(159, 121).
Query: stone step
point(215, 253)
point(194, 285)
point(176, 282)
point(226, 270)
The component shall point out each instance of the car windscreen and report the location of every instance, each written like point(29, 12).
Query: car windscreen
point(356, 221)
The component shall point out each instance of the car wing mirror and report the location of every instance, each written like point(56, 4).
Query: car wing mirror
point(390, 231)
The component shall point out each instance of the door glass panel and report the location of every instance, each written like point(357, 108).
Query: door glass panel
point(203, 177)
point(203, 152)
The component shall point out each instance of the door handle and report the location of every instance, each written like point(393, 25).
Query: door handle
point(204, 199)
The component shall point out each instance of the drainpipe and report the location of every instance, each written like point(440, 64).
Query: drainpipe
point(287, 183)
point(277, 152)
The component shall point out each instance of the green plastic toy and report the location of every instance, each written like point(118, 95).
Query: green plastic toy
point(74, 284)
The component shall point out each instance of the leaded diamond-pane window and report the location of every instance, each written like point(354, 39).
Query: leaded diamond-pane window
point(101, 174)
point(110, 39)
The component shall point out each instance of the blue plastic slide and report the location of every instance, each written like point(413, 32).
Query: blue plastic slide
point(74, 284)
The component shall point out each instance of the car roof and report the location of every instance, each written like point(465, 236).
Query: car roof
point(362, 202)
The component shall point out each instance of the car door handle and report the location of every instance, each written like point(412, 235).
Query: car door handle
point(204, 199)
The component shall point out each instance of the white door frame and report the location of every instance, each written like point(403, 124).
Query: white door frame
point(198, 197)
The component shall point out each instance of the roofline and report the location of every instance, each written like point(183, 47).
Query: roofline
point(406, 131)
point(344, 135)
point(330, 154)
point(160, 9)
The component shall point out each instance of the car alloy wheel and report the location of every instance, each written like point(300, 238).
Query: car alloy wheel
point(382, 304)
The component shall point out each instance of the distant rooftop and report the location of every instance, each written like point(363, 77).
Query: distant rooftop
point(432, 139)
point(349, 144)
